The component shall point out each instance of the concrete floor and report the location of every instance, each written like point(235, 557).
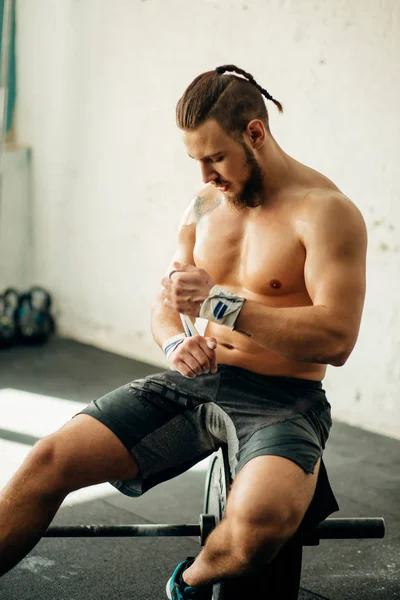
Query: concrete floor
point(363, 468)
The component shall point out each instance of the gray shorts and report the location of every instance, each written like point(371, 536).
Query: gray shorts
point(169, 422)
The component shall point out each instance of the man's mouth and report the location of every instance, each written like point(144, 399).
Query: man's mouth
point(222, 187)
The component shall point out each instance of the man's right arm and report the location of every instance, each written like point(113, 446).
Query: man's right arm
point(195, 355)
point(165, 322)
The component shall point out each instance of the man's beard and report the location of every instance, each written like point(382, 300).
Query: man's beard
point(250, 195)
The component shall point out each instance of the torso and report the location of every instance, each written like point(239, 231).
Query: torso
point(258, 254)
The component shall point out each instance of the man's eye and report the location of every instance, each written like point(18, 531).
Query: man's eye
point(219, 159)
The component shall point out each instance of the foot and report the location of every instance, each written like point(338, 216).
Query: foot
point(177, 589)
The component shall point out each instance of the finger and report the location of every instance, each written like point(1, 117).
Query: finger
point(204, 355)
point(191, 312)
point(212, 345)
point(181, 285)
point(189, 308)
point(183, 308)
point(202, 358)
point(171, 273)
point(182, 367)
point(194, 352)
point(184, 266)
point(176, 265)
point(189, 364)
point(190, 280)
point(166, 282)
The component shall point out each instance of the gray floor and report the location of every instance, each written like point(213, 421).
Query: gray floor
point(363, 468)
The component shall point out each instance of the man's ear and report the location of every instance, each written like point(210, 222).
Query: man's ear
point(256, 133)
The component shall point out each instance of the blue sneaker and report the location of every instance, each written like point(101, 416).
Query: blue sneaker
point(177, 589)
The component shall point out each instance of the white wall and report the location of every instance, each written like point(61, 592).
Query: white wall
point(98, 81)
point(15, 220)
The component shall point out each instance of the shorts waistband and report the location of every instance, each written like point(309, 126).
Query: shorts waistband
point(268, 379)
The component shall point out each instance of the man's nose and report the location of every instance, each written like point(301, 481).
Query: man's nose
point(208, 174)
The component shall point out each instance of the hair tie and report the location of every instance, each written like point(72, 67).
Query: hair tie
point(220, 70)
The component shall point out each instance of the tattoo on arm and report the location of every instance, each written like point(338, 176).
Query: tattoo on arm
point(197, 208)
point(200, 209)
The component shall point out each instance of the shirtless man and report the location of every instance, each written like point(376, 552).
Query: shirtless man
point(272, 254)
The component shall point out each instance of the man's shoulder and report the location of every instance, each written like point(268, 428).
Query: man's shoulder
point(327, 201)
point(204, 201)
point(329, 208)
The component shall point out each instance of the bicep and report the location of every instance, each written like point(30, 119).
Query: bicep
point(184, 244)
point(335, 265)
point(186, 238)
point(187, 227)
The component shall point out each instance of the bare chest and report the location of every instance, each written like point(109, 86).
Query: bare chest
point(262, 256)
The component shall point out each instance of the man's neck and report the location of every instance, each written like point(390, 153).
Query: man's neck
point(279, 169)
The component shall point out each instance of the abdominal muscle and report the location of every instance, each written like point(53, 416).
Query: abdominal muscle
point(236, 350)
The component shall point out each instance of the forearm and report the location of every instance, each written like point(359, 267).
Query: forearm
point(304, 333)
point(165, 322)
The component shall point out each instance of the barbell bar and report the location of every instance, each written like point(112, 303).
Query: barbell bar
point(330, 529)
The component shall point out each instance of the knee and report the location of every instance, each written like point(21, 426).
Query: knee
point(43, 453)
point(44, 463)
point(256, 541)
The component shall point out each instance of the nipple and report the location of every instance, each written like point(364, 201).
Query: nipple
point(275, 283)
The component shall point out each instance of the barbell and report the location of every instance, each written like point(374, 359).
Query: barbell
point(280, 579)
point(330, 529)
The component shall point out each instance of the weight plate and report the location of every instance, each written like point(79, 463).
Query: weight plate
point(217, 486)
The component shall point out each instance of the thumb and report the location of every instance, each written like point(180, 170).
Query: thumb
point(211, 343)
point(178, 266)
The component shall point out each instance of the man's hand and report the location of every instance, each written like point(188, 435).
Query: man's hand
point(194, 356)
point(186, 288)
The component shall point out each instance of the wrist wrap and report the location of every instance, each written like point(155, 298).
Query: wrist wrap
point(173, 342)
point(222, 307)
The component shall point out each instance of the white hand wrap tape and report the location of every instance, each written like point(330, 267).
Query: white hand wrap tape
point(173, 342)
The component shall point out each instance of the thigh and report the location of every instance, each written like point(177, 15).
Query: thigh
point(156, 427)
point(86, 452)
point(277, 473)
point(301, 439)
point(271, 493)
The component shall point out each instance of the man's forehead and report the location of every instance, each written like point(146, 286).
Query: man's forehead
point(205, 141)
